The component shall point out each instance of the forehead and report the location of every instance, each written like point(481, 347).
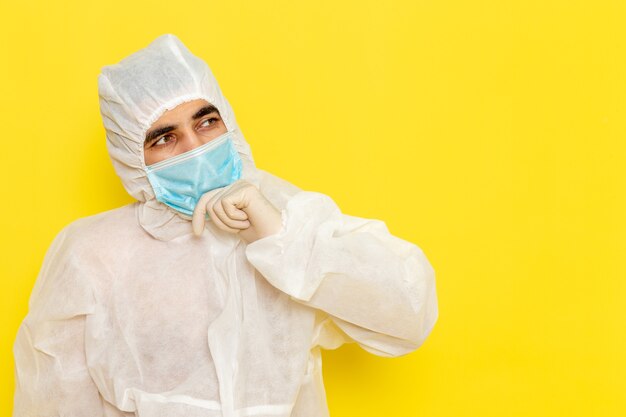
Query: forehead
point(182, 111)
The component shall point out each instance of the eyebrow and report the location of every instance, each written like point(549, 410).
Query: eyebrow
point(208, 109)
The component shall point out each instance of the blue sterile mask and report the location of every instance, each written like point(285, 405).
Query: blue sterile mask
point(180, 181)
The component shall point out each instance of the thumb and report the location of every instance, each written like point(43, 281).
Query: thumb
point(199, 212)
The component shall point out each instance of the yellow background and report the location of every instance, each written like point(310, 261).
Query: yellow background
point(489, 133)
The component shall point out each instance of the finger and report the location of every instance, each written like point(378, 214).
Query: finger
point(216, 220)
point(220, 211)
point(197, 221)
point(200, 210)
point(230, 207)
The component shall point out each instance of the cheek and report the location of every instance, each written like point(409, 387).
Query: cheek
point(210, 134)
point(148, 157)
point(152, 156)
point(156, 154)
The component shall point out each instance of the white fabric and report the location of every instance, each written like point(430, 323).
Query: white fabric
point(132, 315)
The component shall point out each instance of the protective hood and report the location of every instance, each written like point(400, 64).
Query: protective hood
point(133, 94)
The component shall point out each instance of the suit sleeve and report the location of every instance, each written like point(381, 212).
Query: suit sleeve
point(51, 377)
point(368, 286)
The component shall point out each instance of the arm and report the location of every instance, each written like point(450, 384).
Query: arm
point(374, 288)
point(51, 377)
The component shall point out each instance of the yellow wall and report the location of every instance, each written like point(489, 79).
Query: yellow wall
point(490, 133)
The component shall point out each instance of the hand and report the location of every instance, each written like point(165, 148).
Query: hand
point(238, 208)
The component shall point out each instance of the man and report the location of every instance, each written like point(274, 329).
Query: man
point(214, 292)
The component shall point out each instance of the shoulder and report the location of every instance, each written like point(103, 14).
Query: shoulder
point(68, 267)
point(120, 216)
point(108, 228)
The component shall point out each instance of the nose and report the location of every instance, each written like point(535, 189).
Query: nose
point(191, 140)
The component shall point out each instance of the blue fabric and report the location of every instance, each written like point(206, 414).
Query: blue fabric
point(180, 181)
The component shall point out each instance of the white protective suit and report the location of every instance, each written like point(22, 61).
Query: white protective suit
point(133, 315)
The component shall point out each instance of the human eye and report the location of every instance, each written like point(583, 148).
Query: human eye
point(212, 119)
point(163, 140)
